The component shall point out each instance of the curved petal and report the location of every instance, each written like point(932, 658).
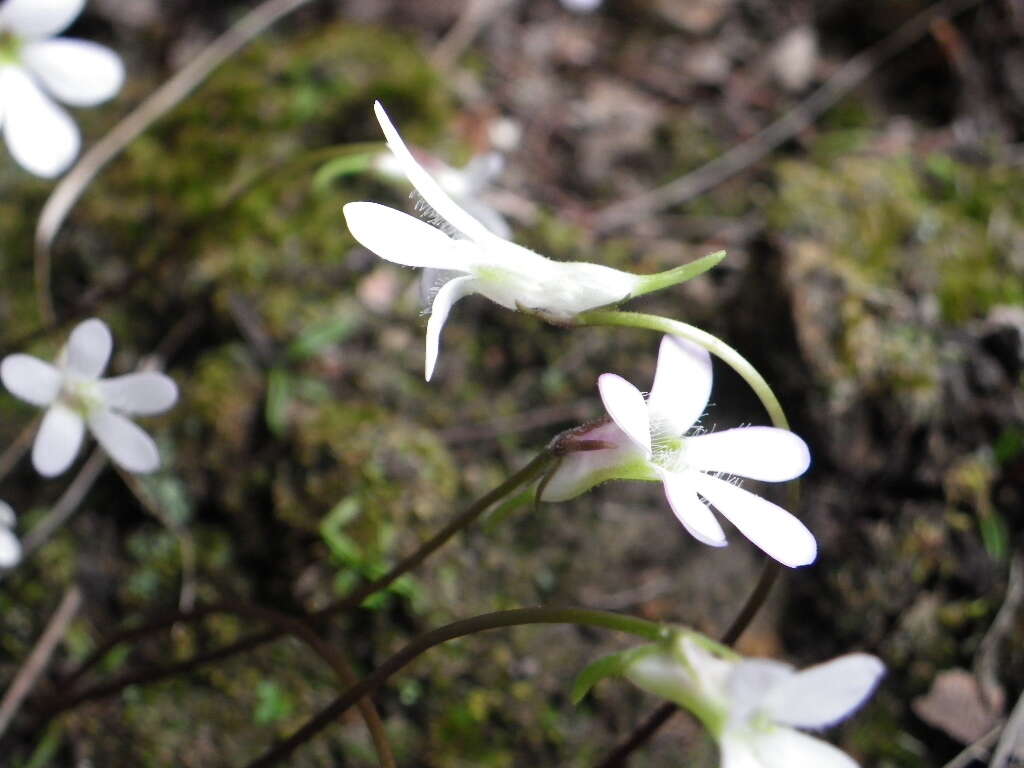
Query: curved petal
point(428, 188)
point(682, 384)
point(579, 471)
point(737, 752)
point(78, 72)
point(403, 239)
point(449, 293)
point(143, 393)
point(10, 548)
point(58, 440)
point(7, 516)
point(662, 674)
point(786, 748)
point(41, 136)
point(627, 408)
point(88, 348)
point(124, 441)
point(30, 379)
point(35, 19)
point(760, 453)
point(824, 694)
point(771, 528)
point(694, 514)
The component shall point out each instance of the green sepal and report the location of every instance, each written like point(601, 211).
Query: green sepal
point(609, 666)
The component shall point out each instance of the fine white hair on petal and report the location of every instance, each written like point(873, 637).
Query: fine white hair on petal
point(627, 408)
point(58, 440)
point(449, 293)
point(78, 72)
point(760, 453)
point(786, 748)
point(36, 19)
point(682, 384)
point(88, 349)
point(693, 513)
point(427, 186)
point(824, 694)
point(142, 393)
point(402, 239)
point(41, 136)
point(124, 441)
point(771, 528)
point(30, 379)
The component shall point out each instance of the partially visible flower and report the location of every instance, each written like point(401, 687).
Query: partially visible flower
point(74, 396)
point(659, 439)
point(508, 274)
point(467, 186)
point(10, 547)
point(752, 707)
point(582, 6)
point(41, 136)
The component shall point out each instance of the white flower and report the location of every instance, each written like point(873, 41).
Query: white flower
point(508, 274)
point(10, 547)
point(657, 439)
point(582, 6)
point(75, 396)
point(41, 136)
point(753, 706)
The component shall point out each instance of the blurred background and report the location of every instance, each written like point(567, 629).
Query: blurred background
point(875, 276)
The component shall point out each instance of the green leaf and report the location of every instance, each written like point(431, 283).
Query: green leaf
point(610, 666)
point(278, 398)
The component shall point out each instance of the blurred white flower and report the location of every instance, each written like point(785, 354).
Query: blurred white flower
point(658, 439)
point(582, 6)
point(10, 547)
point(753, 707)
point(508, 274)
point(75, 396)
point(41, 136)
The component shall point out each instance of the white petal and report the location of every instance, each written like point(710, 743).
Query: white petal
point(682, 384)
point(767, 525)
point(30, 379)
point(627, 408)
point(143, 393)
point(428, 188)
point(57, 443)
point(824, 694)
point(125, 442)
point(693, 513)
point(78, 72)
point(41, 136)
point(750, 681)
point(39, 18)
point(10, 548)
point(7, 516)
point(663, 675)
point(400, 238)
point(713, 672)
point(737, 752)
point(448, 294)
point(760, 453)
point(88, 348)
point(786, 748)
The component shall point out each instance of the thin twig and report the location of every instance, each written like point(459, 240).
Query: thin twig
point(854, 72)
point(65, 506)
point(977, 751)
point(476, 14)
point(37, 660)
point(162, 100)
point(12, 455)
point(1011, 744)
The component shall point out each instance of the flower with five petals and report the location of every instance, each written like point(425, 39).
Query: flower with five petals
point(753, 707)
point(658, 439)
point(481, 261)
point(74, 396)
point(35, 69)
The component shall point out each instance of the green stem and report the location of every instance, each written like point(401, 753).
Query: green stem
point(670, 277)
point(714, 345)
point(604, 619)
